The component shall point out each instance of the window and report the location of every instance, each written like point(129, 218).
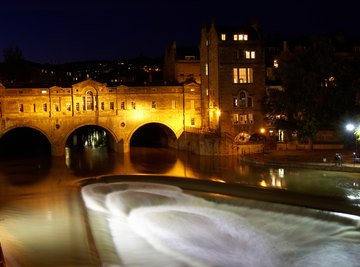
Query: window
point(89, 100)
point(133, 104)
point(240, 37)
point(153, 104)
point(250, 54)
point(235, 102)
point(251, 118)
point(122, 105)
point(57, 107)
point(223, 36)
point(235, 118)
point(242, 98)
point(102, 106)
point(112, 107)
point(206, 69)
point(77, 106)
point(243, 75)
point(34, 106)
point(243, 119)
point(192, 122)
point(276, 63)
point(250, 102)
point(68, 106)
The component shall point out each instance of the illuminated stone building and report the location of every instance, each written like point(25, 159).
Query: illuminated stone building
point(57, 112)
point(232, 67)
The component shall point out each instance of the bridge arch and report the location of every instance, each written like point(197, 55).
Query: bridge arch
point(111, 137)
point(153, 134)
point(24, 141)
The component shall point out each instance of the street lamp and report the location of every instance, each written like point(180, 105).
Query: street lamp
point(351, 127)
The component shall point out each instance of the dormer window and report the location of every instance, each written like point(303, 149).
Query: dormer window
point(223, 36)
point(240, 37)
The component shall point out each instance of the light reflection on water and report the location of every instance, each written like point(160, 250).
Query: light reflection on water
point(41, 217)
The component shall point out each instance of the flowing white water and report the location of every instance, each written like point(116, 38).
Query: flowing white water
point(160, 225)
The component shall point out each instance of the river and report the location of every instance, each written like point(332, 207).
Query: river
point(44, 221)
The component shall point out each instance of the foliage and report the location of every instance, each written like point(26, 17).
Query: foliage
point(318, 89)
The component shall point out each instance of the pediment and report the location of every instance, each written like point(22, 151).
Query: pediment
point(192, 84)
point(89, 83)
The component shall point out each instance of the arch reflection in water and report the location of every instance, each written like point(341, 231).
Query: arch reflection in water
point(152, 160)
point(155, 224)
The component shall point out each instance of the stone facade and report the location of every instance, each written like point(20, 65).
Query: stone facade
point(57, 112)
point(232, 66)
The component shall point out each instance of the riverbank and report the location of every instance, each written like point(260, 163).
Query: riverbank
point(314, 159)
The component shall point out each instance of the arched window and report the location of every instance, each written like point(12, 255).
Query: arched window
point(242, 99)
point(89, 100)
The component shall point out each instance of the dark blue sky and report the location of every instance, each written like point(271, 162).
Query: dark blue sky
point(63, 31)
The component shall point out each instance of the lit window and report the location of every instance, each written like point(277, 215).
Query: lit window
point(240, 37)
point(243, 119)
point(89, 100)
point(243, 75)
point(43, 91)
point(251, 118)
point(236, 75)
point(236, 118)
point(68, 106)
point(276, 63)
point(206, 69)
point(235, 102)
point(250, 54)
point(223, 36)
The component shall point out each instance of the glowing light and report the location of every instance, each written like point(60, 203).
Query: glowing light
point(350, 127)
point(139, 114)
point(263, 183)
point(262, 130)
point(217, 180)
point(218, 112)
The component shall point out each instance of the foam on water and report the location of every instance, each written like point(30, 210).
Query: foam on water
point(160, 225)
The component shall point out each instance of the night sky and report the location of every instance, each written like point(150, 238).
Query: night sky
point(65, 31)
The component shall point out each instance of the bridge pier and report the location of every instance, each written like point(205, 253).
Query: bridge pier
point(57, 150)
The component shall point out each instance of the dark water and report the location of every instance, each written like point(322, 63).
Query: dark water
point(42, 220)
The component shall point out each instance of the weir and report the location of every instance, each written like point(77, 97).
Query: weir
point(170, 221)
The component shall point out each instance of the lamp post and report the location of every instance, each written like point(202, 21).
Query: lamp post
point(351, 127)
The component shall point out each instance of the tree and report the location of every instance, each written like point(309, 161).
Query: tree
point(15, 68)
point(12, 54)
point(318, 89)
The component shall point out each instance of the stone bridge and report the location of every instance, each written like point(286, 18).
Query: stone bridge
point(56, 112)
